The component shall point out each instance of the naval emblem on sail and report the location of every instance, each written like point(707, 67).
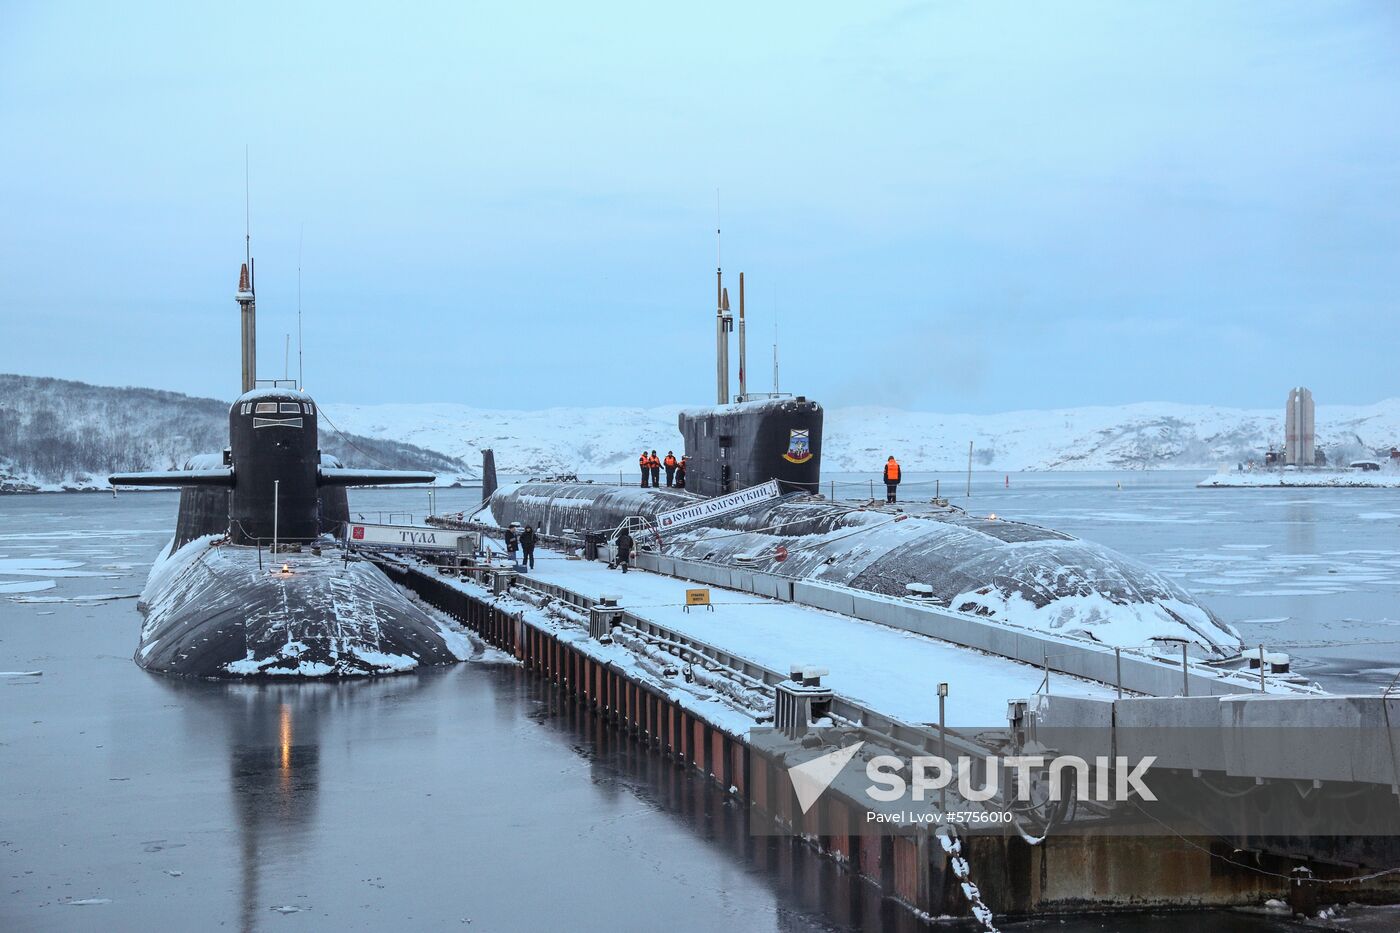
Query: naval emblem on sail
point(799, 446)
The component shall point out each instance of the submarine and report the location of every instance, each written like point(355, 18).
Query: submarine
point(253, 583)
point(752, 500)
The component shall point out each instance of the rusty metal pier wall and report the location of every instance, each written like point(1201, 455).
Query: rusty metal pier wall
point(1062, 874)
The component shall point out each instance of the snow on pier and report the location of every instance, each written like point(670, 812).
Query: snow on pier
point(886, 669)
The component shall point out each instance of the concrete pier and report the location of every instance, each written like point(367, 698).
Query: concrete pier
point(1069, 873)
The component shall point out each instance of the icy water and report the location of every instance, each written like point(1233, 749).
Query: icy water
point(1313, 572)
point(471, 798)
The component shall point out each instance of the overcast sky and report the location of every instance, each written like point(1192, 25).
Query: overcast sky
point(958, 207)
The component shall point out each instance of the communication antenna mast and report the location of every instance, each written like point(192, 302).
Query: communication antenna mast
point(743, 351)
point(301, 371)
point(247, 212)
point(287, 358)
point(775, 340)
point(724, 321)
point(247, 288)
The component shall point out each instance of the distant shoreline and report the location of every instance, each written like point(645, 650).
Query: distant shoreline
point(1331, 480)
point(126, 490)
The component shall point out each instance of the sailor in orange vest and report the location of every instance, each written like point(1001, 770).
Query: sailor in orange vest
point(670, 464)
point(645, 463)
point(680, 472)
point(892, 477)
point(654, 462)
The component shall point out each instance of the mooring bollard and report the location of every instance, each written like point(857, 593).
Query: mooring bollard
point(501, 581)
point(602, 616)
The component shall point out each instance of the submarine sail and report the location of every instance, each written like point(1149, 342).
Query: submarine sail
point(248, 585)
point(1008, 572)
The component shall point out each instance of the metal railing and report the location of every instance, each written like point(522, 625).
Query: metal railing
point(911, 738)
point(379, 517)
point(1049, 661)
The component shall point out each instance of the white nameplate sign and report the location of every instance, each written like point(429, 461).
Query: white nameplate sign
point(717, 506)
point(402, 535)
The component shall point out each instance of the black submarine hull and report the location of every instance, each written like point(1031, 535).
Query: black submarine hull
point(218, 602)
point(1003, 571)
point(214, 608)
point(219, 610)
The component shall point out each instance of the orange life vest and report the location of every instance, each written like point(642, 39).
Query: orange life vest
point(644, 461)
point(891, 471)
point(670, 461)
point(654, 462)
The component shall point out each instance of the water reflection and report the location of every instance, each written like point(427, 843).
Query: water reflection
point(1301, 520)
point(812, 891)
point(273, 735)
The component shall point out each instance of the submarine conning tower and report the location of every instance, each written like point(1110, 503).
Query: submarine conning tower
point(271, 485)
point(746, 443)
point(751, 438)
point(274, 449)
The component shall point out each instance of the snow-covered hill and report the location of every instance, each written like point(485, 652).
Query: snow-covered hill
point(1147, 435)
point(58, 434)
point(53, 431)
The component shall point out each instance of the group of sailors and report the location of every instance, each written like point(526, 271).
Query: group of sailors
point(520, 540)
point(651, 466)
point(523, 540)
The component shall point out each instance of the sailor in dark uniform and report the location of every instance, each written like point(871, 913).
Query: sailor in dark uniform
point(623, 543)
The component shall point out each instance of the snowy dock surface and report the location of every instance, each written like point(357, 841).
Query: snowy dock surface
point(894, 672)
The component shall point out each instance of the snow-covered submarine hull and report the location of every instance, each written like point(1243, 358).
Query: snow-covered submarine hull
point(214, 609)
point(218, 602)
point(1013, 572)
